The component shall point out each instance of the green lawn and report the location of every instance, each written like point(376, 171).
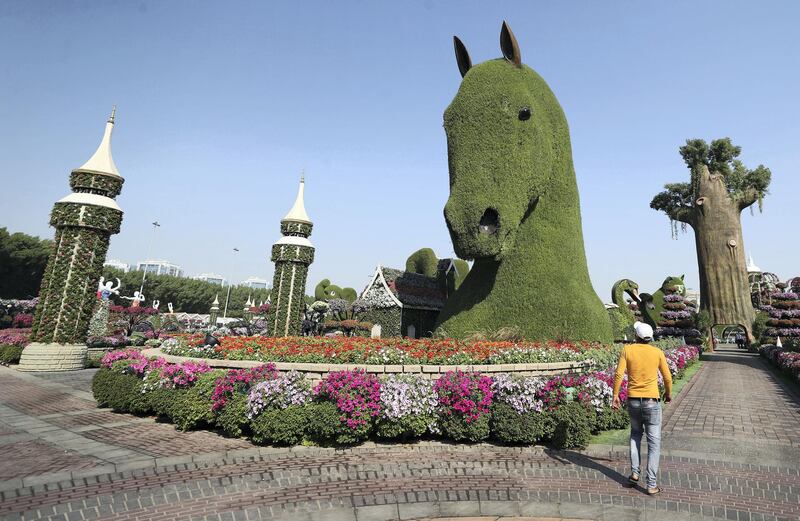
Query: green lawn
point(620, 437)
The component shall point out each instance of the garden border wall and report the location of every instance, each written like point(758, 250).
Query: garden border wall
point(315, 372)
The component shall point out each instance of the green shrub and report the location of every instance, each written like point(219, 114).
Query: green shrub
point(324, 422)
point(162, 401)
point(455, 427)
point(573, 425)
point(121, 392)
point(194, 406)
point(611, 419)
point(232, 418)
point(280, 426)
point(667, 343)
point(93, 361)
point(102, 386)
point(760, 326)
point(10, 354)
point(509, 426)
point(325, 426)
point(404, 428)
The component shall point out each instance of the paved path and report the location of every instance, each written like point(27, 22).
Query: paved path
point(731, 452)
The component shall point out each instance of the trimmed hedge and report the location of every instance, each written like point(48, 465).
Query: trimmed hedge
point(349, 407)
point(10, 354)
point(510, 163)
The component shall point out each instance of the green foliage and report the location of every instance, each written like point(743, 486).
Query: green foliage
point(652, 306)
point(462, 267)
point(103, 386)
point(349, 294)
point(622, 318)
point(667, 343)
point(326, 291)
point(573, 425)
point(280, 426)
point(620, 324)
point(745, 186)
point(186, 295)
point(22, 262)
point(611, 419)
point(406, 427)
point(232, 418)
point(455, 427)
point(10, 354)
point(514, 176)
point(164, 402)
point(509, 426)
point(388, 318)
point(760, 325)
point(193, 407)
point(325, 426)
point(424, 262)
point(121, 392)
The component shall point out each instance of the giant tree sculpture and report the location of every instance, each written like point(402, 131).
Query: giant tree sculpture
point(514, 208)
point(711, 203)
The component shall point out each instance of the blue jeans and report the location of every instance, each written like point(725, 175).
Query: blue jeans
point(645, 418)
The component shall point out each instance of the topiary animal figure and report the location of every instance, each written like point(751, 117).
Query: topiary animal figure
point(651, 306)
point(326, 291)
point(623, 317)
point(514, 208)
point(424, 262)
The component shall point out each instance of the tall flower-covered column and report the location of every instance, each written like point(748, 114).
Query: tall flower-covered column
point(292, 254)
point(84, 221)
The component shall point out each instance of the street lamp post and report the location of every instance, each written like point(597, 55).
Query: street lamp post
point(149, 252)
point(225, 312)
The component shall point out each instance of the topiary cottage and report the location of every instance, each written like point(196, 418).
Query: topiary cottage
point(404, 303)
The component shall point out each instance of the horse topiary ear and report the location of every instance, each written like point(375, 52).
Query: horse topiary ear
point(462, 57)
point(509, 45)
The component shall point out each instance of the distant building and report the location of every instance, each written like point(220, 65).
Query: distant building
point(160, 267)
point(114, 263)
point(213, 278)
point(255, 283)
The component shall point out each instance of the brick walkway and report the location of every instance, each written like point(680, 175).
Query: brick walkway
point(731, 451)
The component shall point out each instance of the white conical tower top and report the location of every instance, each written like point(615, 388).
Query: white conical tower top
point(102, 161)
point(751, 266)
point(298, 211)
point(216, 301)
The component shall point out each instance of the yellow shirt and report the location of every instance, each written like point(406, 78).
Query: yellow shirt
point(642, 362)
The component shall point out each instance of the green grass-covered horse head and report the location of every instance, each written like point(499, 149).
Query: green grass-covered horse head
point(513, 206)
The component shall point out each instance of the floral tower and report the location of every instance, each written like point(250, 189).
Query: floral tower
point(292, 254)
point(84, 221)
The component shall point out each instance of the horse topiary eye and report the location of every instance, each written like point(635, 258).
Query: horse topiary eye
point(524, 114)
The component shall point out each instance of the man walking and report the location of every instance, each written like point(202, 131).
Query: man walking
point(643, 362)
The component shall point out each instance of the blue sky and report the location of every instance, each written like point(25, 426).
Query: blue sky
point(221, 105)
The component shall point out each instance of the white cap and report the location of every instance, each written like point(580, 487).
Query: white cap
point(643, 331)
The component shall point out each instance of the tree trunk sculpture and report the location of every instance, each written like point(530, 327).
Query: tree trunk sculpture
point(720, 188)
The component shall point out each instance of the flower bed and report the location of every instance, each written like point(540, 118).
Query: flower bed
point(387, 351)
point(350, 406)
point(784, 358)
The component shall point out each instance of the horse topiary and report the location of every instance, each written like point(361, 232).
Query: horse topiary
point(514, 208)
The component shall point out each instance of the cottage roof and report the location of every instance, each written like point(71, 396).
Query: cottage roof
point(415, 290)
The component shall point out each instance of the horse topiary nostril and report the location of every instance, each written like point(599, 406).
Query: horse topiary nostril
point(490, 222)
